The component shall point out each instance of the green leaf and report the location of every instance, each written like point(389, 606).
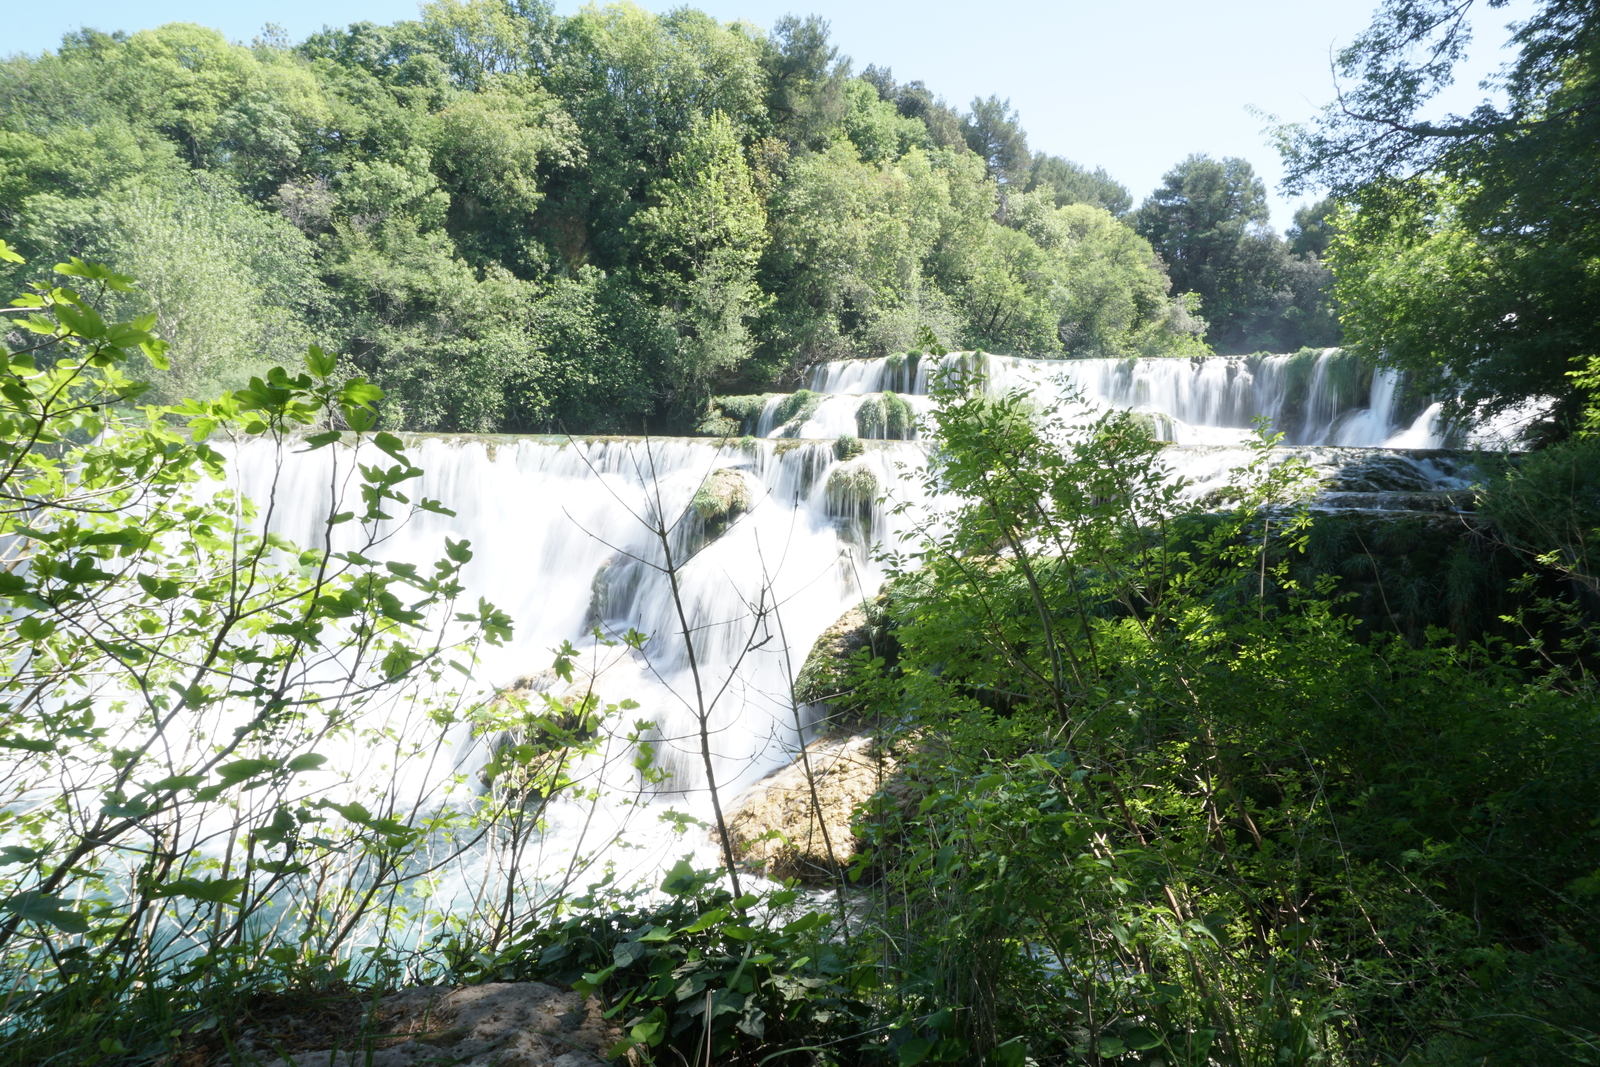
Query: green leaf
point(28, 744)
point(1142, 1038)
point(130, 809)
point(360, 393)
point(319, 362)
point(1013, 1053)
point(706, 921)
point(355, 813)
point(206, 890)
point(680, 880)
point(389, 444)
point(245, 769)
point(83, 321)
point(915, 1051)
point(360, 419)
point(8, 256)
point(43, 908)
point(309, 761)
point(651, 1029)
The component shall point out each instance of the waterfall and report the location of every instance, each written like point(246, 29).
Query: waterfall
point(1313, 397)
point(559, 545)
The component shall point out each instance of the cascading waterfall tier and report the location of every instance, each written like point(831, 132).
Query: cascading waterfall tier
point(773, 539)
point(1326, 397)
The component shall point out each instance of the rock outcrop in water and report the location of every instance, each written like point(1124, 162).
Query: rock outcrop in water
point(775, 825)
point(722, 498)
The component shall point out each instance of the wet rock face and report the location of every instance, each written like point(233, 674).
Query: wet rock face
point(846, 772)
point(1346, 479)
point(852, 492)
point(500, 1024)
point(887, 416)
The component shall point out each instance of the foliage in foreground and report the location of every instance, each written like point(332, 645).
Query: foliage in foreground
point(1160, 800)
point(185, 688)
point(1175, 809)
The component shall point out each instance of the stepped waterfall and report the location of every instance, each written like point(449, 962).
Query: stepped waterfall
point(782, 547)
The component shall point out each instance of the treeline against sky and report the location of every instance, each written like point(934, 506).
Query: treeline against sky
point(516, 221)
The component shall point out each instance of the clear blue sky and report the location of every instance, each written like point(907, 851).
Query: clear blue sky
point(1132, 86)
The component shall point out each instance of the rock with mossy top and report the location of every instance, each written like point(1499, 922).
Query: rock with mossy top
point(722, 497)
point(730, 416)
point(851, 494)
point(793, 410)
point(885, 416)
point(825, 676)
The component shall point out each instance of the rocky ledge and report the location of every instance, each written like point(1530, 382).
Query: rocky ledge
point(499, 1024)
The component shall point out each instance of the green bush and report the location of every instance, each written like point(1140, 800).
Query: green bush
point(755, 973)
point(1549, 506)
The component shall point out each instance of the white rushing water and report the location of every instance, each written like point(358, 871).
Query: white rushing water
point(1314, 398)
point(558, 542)
point(555, 527)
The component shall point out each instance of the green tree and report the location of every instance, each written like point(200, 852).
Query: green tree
point(1208, 221)
point(700, 243)
point(995, 133)
point(234, 289)
point(854, 246)
point(1513, 181)
point(639, 86)
point(1107, 289)
point(1070, 183)
point(913, 100)
point(1468, 314)
point(1313, 228)
point(806, 79)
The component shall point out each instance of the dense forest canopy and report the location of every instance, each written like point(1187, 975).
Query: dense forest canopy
point(517, 221)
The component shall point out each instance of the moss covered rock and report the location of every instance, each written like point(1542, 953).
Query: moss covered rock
point(793, 410)
point(885, 416)
point(824, 677)
point(852, 494)
point(721, 498)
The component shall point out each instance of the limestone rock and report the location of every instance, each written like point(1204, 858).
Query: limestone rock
point(500, 1024)
point(847, 771)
